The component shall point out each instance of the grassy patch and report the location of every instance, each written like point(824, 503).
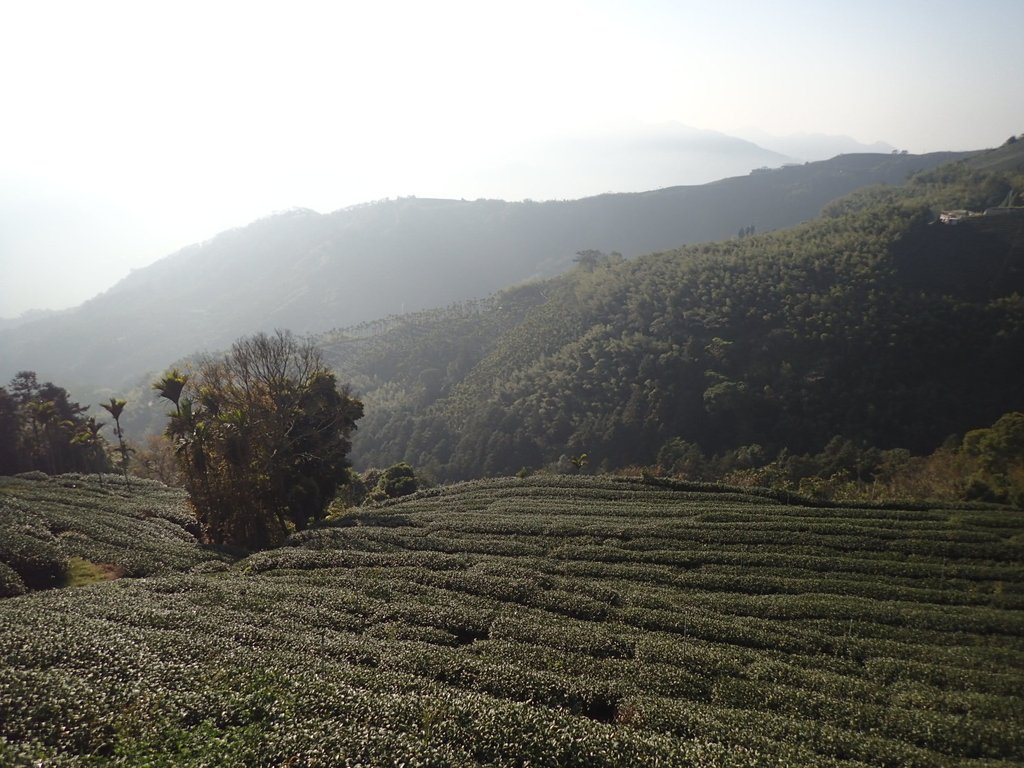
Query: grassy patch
point(82, 572)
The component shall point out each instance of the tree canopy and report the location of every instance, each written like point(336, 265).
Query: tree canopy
point(262, 435)
point(42, 428)
point(872, 322)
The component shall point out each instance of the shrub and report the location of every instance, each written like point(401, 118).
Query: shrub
point(38, 563)
point(10, 582)
point(397, 480)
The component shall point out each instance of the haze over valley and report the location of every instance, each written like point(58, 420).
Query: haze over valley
point(119, 149)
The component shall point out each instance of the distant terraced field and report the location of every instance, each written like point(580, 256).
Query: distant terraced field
point(548, 621)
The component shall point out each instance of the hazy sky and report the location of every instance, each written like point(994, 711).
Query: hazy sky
point(130, 129)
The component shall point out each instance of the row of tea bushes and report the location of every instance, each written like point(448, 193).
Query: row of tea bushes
point(45, 521)
point(479, 624)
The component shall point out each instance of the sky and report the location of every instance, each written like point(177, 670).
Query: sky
point(131, 129)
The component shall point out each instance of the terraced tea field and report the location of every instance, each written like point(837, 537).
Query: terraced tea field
point(547, 621)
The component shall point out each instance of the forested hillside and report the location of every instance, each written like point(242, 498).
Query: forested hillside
point(873, 322)
point(309, 272)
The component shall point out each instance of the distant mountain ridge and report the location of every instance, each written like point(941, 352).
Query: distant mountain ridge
point(630, 160)
point(310, 272)
point(814, 146)
point(43, 225)
point(28, 316)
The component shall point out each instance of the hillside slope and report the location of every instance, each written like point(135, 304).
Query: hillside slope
point(551, 621)
point(873, 322)
point(309, 272)
point(55, 530)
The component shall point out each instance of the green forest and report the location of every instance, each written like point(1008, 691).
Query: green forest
point(873, 332)
point(43, 429)
point(871, 353)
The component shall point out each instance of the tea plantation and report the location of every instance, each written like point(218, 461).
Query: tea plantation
point(546, 621)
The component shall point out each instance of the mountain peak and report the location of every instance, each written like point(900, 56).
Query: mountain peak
point(809, 147)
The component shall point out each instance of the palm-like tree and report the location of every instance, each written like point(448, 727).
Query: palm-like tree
point(171, 385)
point(115, 407)
point(88, 436)
point(44, 416)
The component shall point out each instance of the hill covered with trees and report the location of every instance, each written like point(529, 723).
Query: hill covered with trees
point(309, 272)
point(873, 322)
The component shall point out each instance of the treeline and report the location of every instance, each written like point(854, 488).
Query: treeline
point(871, 322)
point(986, 465)
point(42, 428)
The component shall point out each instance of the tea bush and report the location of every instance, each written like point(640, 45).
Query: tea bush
point(544, 621)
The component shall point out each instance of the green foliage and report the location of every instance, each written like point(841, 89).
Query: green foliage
point(1000, 447)
point(115, 408)
point(352, 492)
point(551, 621)
point(988, 466)
point(870, 322)
point(154, 459)
point(304, 261)
point(41, 428)
point(69, 528)
point(262, 436)
point(11, 583)
point(395, 481)
point(30, 550)
point(579, 462)
point(999, 452)
point(678, 457)
point(171, 386)
point(8, 433)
